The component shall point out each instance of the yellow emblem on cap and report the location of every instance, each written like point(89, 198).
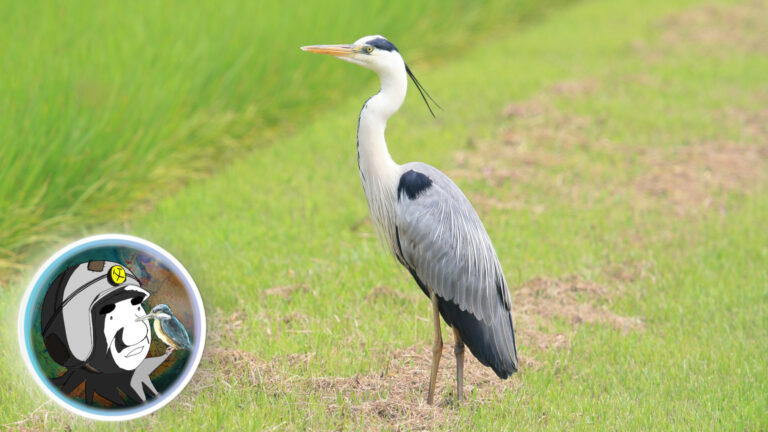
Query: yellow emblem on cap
point(116, 275)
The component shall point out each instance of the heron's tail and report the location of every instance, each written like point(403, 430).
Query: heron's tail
point(492, 344)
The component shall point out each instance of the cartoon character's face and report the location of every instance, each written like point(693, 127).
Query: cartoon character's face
point(128, 339)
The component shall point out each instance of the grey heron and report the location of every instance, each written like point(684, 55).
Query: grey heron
point(429, 225)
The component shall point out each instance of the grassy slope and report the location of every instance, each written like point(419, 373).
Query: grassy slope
point(103, 101)
point(291, 214)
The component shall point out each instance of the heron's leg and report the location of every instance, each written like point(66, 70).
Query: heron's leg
point(437, 349)
point(458, 349)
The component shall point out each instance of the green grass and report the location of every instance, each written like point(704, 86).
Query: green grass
point(294, 213)
point(103, 101)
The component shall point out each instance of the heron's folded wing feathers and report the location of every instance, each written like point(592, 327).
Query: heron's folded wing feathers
point(443, 241)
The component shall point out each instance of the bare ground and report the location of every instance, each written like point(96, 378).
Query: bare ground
point(539, 146)
point(697, 177)
point(713, 27)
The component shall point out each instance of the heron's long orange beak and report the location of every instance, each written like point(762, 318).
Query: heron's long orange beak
point(334, 50)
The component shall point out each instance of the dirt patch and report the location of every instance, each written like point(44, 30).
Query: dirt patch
point(539, 147)
point(694, 177)
point(523, 144)
point(539, 302)
point(222, 327)
point(526, 109)
point(753, 124)
point(539, 107)
point(719, 29)
point(622, 273)
point(286, 291)
point(536, 145)
point(574, 88)
point(395, 396)
point(392, 397)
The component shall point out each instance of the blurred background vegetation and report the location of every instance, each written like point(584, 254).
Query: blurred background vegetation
point(108, 105)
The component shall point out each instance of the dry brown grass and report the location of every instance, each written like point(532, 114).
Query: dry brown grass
point(735, 27)
point(534, 145)
point(392, 397)
point(540, 146)
point(753, 124)
point(573, 300)
point(286, 291)
point(698, 177)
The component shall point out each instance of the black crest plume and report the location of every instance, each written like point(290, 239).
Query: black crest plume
point(422, 91)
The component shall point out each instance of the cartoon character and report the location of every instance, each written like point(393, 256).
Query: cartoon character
point(90, 325)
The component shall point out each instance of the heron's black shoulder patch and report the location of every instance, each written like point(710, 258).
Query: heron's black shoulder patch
point(413, 183)
point(382, 44)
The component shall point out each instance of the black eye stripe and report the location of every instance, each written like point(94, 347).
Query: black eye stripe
point(137, 300)
point(382, 44)
point(106, 309)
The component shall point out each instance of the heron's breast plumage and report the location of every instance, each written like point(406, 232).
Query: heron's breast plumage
point(381, 195)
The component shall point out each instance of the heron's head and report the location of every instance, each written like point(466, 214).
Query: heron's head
point(376, 53)
point(372, 52)
point(161, 312)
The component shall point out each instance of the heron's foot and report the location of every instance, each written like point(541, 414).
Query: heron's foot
point(170, 349)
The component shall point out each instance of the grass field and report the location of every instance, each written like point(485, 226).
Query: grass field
point(617, 153)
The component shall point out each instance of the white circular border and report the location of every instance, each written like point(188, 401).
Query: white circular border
point(58, 397)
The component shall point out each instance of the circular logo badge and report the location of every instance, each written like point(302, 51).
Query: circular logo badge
point(116, 275)
point(112, 327)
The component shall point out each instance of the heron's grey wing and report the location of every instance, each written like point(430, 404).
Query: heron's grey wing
point(442, 238)
point(445, 246)
point(176, 331)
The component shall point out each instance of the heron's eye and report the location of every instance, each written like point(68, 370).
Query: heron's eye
point(369, 49)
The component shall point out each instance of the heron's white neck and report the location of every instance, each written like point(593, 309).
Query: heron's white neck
point(373, 156)
point(378, 172)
